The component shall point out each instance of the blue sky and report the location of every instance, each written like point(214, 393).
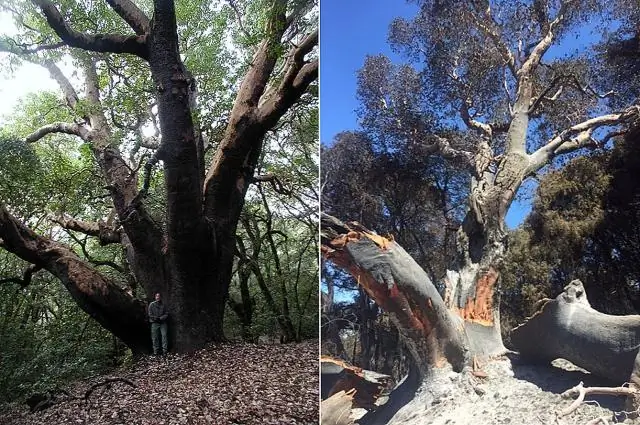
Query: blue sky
point(351, 30)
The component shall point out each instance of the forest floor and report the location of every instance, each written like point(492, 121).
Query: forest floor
point(513, 393)
point(222, 385)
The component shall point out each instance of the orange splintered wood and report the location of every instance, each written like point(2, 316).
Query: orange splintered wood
point(381, 241)
point(353, 236)
point(330, 359)
point(367, 389)
point(390, 299)
point(480, 308)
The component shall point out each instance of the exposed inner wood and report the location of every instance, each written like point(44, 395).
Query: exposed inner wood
point(479, 309)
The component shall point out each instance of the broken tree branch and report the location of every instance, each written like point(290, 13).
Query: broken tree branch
point(581, 392)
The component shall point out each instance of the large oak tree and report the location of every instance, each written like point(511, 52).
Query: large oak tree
point(188, 256)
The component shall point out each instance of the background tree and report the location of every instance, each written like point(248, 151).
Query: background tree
point(277, 244)
point(178, 236)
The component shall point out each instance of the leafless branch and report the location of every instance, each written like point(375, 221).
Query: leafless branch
point(581, 392)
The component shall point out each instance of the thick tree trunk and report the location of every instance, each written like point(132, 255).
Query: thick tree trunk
point(200, 264)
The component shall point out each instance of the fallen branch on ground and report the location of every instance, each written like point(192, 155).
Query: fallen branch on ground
point(581, 391)
point(108, 382)
point(336, 410)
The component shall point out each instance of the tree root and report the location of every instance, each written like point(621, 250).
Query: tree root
point(581, 392)
point(38, 402)
point(108, 382)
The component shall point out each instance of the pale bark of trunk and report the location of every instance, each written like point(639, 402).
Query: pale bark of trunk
point(567, 327)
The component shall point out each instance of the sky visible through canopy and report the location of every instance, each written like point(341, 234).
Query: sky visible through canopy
point(349, 31)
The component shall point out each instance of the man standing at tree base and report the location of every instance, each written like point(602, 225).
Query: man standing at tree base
point(158, 316)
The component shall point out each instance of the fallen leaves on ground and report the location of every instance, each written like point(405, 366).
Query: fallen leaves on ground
point(228, 384)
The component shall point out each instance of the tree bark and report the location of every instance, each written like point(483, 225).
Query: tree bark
point(102, 299)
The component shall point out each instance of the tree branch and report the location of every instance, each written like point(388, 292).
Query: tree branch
point(11, 46)
point(442, 146)
point(132, 15)
point(233, 5)
point(275, 182)
point(480, 127)
point(579, 136)
point(490, 31)
point(543, 45)
point(264, 60)
point(535, 102)
point(57, 127)
point(105, 233)
point(28, 54)
point(581, 392)
point(67, 89)
point(89, 258)
point(98, 296)
point(25, 280)
point(114, 43)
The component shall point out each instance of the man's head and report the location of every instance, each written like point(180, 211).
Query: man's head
point(158, 297)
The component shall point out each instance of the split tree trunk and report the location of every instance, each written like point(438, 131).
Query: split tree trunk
point(434, 332)
point(567, 327)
